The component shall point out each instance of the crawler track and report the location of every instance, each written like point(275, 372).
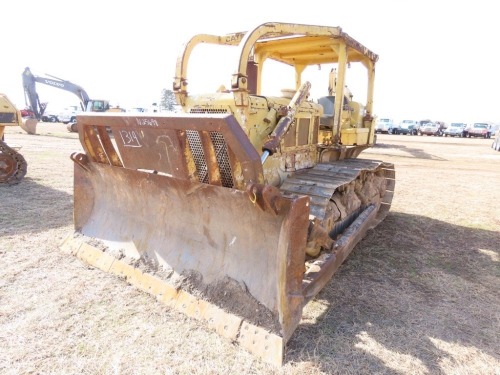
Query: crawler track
point(339, 192)
point(13, 166)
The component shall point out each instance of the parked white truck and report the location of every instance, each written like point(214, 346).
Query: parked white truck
point(68, 114)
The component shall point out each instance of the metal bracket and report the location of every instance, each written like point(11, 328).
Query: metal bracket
point(81, 159)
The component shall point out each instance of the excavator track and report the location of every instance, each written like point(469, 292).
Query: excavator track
point(13, 166)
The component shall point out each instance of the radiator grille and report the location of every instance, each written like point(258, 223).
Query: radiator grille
point(221, 153)
point(199, 156)
point(208, 110)
point(8, 117)
point(220, 146)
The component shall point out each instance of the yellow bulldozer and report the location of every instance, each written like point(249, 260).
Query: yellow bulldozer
point(13, 166)
point(239, 210)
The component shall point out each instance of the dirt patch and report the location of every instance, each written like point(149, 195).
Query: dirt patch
point(232, 297)
point(225, 293)
point(418, 295)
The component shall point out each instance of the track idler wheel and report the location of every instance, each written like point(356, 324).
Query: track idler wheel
point(13, 166)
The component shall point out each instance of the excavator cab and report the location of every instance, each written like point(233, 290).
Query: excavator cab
point(97, 106)
point(239, 210)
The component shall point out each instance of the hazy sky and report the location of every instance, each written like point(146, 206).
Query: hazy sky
point(435, 61)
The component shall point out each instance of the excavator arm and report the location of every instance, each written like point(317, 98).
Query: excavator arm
point(31, 95)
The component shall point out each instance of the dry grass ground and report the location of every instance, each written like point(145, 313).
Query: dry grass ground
point(419, 295)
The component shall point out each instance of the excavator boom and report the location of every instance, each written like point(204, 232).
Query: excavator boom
point(29, 84)
point(38, 108)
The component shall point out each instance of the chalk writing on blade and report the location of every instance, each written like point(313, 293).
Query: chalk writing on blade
point(146, 122)
point(130, 138)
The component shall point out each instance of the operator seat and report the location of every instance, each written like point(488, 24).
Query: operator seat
point(328, 104)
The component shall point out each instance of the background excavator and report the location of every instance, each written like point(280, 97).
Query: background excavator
point(38, 108)
point(238, 211)
point(13, 166)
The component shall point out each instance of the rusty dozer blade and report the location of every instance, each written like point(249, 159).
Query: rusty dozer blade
point(177, 205)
